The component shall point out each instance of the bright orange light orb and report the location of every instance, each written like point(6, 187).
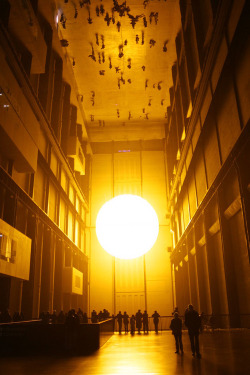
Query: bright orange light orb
point(127, 226)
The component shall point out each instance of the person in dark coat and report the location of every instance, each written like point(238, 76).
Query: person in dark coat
point(105, 314)
point(80, 314)
point(16, 317)
point(5, 316)
point(175, 310)
point(21, 315)
point(132, 325)
point(138, 319)
point(125, 321)
point(156, 316)
point(84, 318)
point(94, 317)
point(100, 316)
point(176, 327)
point(145, 321)
point(119, 320)
point(193, 324)
point(61, 317)
point(53, 317)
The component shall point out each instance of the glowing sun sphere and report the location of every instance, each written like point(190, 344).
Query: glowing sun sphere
point(127, 226)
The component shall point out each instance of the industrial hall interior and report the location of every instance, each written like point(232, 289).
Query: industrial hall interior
point(146, 99)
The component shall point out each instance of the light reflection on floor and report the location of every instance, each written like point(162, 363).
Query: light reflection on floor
point(223, 353)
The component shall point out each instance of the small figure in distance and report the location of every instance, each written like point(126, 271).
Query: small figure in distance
point(175, 310)
point(45, 317)
point(193, 324)
point(176, 327)
point(138, 319)
point(119, 320)
point(80, 314)
point(54, 317)
point(84, 318)
point(94, 317)
point(105, 314)
point(21, 316)
point(132, 325)
point(61, 317)
point(156, 316)
point(100, 316)
point(145, 321)
point(125, 321)
point(16, 316)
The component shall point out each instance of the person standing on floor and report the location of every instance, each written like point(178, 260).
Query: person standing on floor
point(176, 327)
point(175, 310)
point(145, 321)
point(125, 321)
point(138, 319)
point(119, 320)
point(132, 325)
point(94, 317)
point(193, 324)
point(156, 316)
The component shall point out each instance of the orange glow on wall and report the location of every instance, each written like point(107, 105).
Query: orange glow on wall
point(127, 226)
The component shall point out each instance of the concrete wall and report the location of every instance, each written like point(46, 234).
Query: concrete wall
point(144, 282)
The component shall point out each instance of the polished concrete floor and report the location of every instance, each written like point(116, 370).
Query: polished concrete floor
point(223, 353)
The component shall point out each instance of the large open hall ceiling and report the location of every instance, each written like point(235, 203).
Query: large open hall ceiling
point(122, 53)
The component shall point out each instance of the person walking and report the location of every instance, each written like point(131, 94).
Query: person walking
point(156, 317)
point(193, 324)
point(119, 320)
point(176, 327)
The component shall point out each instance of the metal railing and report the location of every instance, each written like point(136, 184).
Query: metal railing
point(208, 322)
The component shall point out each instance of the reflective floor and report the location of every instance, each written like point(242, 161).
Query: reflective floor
point(222, 352)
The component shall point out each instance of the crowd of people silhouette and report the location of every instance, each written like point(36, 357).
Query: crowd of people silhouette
point(64, 318)
point(5, 316)
point(139, 322)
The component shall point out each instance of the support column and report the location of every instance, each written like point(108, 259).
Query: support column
point(67, 297)
point(46, 273)
point(180, 289)
point(203, 278)
point(215, 259)
point(235, 252)
point(193, 279)
point(186, 289)
point(38, 269)
point(52, 271)
point(15, 300)
point(59, 264)
point(5, 283)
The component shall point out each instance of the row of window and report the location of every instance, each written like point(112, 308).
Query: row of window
point(59, 199)
point(219, 121)
point(52, 185)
